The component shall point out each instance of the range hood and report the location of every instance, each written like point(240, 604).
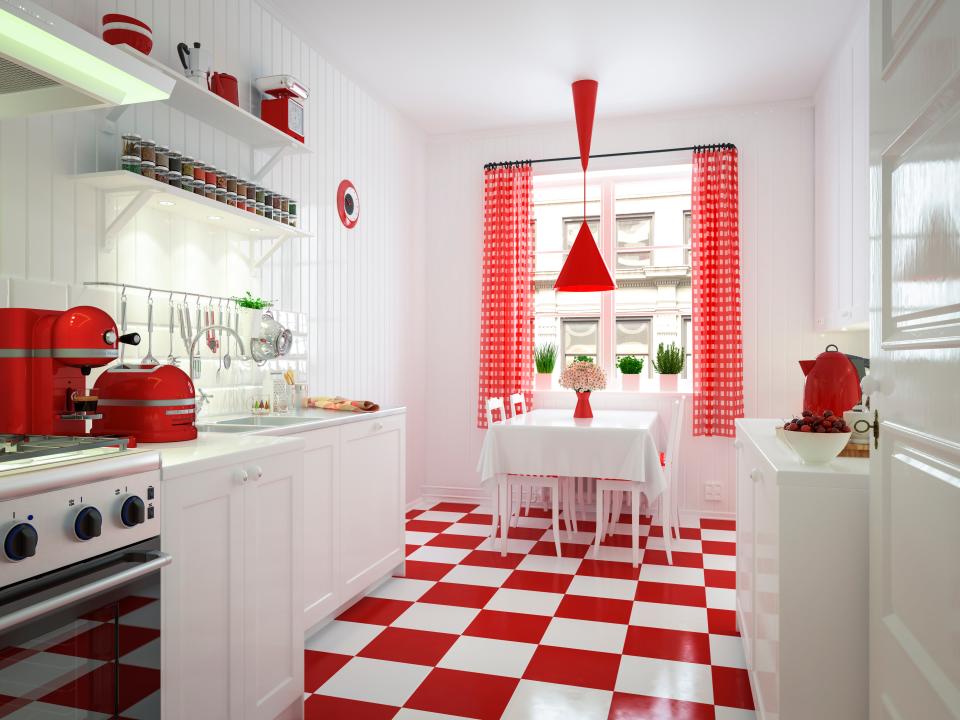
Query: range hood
point(48, 64)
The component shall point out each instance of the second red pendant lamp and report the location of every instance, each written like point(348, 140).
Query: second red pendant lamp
point(584, 269)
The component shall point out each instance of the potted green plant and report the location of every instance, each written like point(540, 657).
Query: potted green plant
point(251, 314)
point(669, 364)
point(630, 369)
point(545, 358)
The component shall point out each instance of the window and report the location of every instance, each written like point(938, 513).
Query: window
point(687, 234)
point(640, 220)
point(633, 338)
point(580, 337)
point(634, 238)
point(687, 338)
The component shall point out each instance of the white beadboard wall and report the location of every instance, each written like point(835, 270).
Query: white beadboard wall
point(361, 289)
point(776, 214)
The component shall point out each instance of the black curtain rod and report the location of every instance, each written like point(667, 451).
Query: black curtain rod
point(694, 148)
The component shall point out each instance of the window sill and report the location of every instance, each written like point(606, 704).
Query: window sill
point(683, 388)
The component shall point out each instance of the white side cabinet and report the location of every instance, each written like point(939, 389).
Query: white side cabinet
point(801, 578)
point(841, 191)
point(321, 528)
point(233, 600)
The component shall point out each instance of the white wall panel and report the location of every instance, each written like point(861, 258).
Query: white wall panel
point(360, 288)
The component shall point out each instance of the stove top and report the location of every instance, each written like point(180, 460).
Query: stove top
point(24, 452)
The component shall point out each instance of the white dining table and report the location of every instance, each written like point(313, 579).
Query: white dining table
point(616, 444)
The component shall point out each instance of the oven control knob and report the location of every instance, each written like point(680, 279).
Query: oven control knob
point(133, 511)
point(21, 542)
point(88, 523)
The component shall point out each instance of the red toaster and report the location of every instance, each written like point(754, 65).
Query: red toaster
point(152, 403)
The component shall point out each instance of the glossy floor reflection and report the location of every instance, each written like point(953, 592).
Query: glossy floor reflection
point(470, 634)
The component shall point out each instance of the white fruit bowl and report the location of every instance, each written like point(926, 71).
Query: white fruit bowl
point(816, 448)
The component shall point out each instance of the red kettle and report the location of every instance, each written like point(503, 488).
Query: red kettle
point(833, 381)
point(225, 86)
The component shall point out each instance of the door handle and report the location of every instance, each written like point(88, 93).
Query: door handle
point(153, 561)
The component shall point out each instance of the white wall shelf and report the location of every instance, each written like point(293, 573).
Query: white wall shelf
point(208, 107)
point(167, 198)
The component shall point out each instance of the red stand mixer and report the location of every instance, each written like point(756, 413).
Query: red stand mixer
point(45, 357)
point(833, 381)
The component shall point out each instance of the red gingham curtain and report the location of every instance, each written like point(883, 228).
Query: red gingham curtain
point(715, 252)
point(506, 304)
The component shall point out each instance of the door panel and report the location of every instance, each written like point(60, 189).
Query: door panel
point(371, 501)
point(915, 358)
point(320, 529)
point(273, 582)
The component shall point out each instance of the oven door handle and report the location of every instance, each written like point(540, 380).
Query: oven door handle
point(156, 560)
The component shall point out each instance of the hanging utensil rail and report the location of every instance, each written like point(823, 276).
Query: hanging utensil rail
point(160, 291)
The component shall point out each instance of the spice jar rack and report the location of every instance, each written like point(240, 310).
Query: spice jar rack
point(176, 201)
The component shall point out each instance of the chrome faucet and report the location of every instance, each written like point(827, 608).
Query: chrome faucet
point(205, 399)
point(195, 361)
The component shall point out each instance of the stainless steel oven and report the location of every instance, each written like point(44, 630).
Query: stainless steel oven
point(84, 641)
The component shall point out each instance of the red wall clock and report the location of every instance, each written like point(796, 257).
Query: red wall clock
point(348, 203)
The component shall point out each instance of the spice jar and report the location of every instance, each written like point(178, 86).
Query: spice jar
point(260, 209)
point(199, 171)
point(292, 206)
point(232, 184)
point(276, 199)
point(148, 169)
point(221, 195)
point(221, 180)
point(260, 195)
point(186, 173)
point(162, 154)
point(241, 190)
point(148, 151)
point(284, 217)
point(231, 199)
point(285, 204)
point(210, 191)
point(130, 145)
point(198, 187)
point(175, 162)
point(160, 174)
point(210, 175)
point(130, 163)
point(250, 206)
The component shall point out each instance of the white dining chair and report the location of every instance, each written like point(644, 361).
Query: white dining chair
point(610, 494)
point(505, 484)
point(568, 500)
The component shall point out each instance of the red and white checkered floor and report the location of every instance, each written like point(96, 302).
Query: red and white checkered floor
point(469, 634)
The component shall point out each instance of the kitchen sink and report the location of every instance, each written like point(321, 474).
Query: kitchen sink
point(264, 421)
point(214, 427)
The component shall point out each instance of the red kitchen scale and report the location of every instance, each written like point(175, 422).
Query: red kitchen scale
point(283, 106)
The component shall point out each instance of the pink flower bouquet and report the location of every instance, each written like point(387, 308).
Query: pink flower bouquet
point(583, 376)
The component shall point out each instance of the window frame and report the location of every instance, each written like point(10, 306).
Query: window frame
point(686, 320)
point(647, 359)
point(564, 320)
point(646, 249)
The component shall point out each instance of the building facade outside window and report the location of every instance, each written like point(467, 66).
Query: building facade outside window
point(641, 221)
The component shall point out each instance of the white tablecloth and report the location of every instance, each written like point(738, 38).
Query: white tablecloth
point(613, 444)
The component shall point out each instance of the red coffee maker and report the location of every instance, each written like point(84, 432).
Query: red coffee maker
point(45, 357)
point(833, 381)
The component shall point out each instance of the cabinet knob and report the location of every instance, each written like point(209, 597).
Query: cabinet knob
point(257, 472)
point(756, 475)
point(243, 475)
point(377, 426)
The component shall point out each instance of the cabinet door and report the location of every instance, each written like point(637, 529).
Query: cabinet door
point(202, 592)
point(766, 645)
point(371, 501)
point(273, 585)
point(321, 528)
point(745, 546)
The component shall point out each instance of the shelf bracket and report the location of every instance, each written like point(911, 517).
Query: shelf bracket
point(268, 165)
point(274, 246)
point(111, 232)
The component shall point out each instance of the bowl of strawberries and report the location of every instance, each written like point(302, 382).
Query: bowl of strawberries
point(817, 439)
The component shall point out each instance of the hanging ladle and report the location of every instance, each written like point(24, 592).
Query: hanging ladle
point(149, 359)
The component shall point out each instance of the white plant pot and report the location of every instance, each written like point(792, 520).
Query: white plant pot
point(250, 321)
point(544, 381)
point(668, 383)
point(630, 383)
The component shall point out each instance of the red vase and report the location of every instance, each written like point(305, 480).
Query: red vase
point(583, 409)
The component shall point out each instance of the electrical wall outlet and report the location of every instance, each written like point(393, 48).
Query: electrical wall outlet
point(713, 492)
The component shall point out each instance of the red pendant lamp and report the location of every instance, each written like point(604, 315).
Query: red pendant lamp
point(584, 269)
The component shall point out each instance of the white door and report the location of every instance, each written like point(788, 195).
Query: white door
point(915, 353)
point(321, 527)
point(273, 585)
point(371, 498)
point(202, 596)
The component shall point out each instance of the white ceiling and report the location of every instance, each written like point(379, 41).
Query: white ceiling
point(456, 65)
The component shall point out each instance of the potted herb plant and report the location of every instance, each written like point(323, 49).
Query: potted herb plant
point(545, 358)
point(630, 369)
point(251, 314)
point(669, 364)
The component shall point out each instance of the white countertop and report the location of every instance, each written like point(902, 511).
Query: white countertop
point(845, 471)
point(213, 449)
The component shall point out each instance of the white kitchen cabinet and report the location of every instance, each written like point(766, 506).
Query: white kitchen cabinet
point(841, 191)
point(372, 462)
point(801, 578)
point(321, 528)
point(232, 637)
